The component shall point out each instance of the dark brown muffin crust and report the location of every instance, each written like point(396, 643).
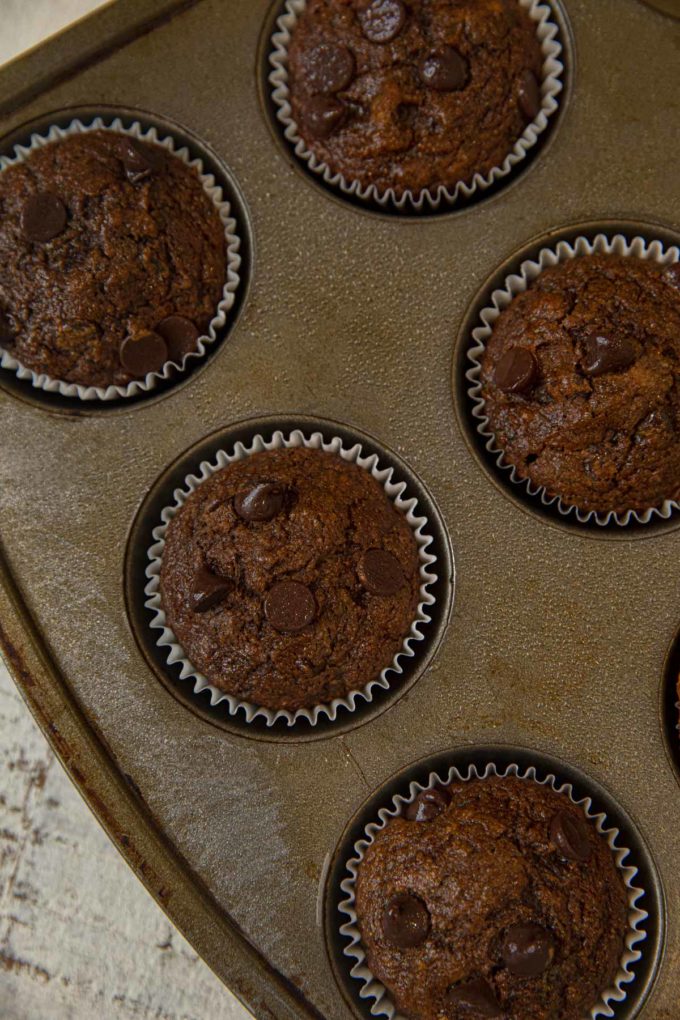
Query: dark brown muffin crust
point(320, 581)
point(417, 94)
point(581, 383)
point(525, 911)
point(136, 240)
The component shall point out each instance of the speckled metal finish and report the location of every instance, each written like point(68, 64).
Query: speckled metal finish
point(671, 7)
point(558, 639)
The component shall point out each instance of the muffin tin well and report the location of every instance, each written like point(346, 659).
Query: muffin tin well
point(280, 125)
point(555, 651)
point(465, 404)
point(670, 704)
point(73, 405)
point(141, 617)
point(501, 757)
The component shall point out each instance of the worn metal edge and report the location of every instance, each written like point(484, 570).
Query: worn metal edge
point(79, 46)
point(119, 808)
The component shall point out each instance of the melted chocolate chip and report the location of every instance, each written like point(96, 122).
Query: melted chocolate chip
point(322, 115)
point(289, 606)
point(329, 68)
point(477, 996)
point(671, 275)
point(6, 331)
point(43, 216)
point(261, 502)
point(180, 336)
point(428, 805)
point(380, 572)
point(516, 371)
point(603, 352)
point(405, 921)
point(144, 354)
point(208, 589)
point(529, 95)
point(139, 160)
point(570, 836)
point(527, 950)
point(382, 20)
point(444, 70)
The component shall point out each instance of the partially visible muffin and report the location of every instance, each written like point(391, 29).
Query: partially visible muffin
point(492, 898)
point(290, 579)
point(112, 259)
point(581, 382)
point(413, 94)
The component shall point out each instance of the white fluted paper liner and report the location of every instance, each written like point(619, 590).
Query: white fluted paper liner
point(429, 199)
point(372, 988)
point(516, 284)
point(404, 503)
point(41, 380)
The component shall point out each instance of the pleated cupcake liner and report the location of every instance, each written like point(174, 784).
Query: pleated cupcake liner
point(515, 284)
point(398, 495)
point(373, 989)
point(429, 199)
point(43, 381)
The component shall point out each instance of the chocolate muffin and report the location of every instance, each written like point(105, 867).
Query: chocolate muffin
point(581, 383)
point(413, 95)
point(112, 259)
point(492, 898)
point(290, 579)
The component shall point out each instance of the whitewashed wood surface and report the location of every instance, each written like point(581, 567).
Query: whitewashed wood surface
point(80, 939)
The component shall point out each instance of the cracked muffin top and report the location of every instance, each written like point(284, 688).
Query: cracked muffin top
point(492, 898)
point(581, 382)
point(413, 95)
point(289, 578)
point(112, 259)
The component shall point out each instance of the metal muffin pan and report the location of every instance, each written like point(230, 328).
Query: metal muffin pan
point(559, 638)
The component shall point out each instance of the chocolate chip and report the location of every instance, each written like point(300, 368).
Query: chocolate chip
point(476, 996)
point(405, 921)
point(261, 502)
point(604, 352)
point(527, 950)
point(144, 354)
point(380, 572)
point(382, 20)
point(139, 160)
point(428, 805)
point(570, 836)
point(444, 70)
point(329, 68)
point(322, 115)
point(529, 95)
point(516, 371)
point(180, 336)
point(43, 216)
point(6, 331)
point(671, 275)
point(208, 589)
point(289, 606)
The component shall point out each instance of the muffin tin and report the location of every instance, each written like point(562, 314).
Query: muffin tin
point(561, 639)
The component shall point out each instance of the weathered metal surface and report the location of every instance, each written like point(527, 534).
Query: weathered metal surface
point(557, 641)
